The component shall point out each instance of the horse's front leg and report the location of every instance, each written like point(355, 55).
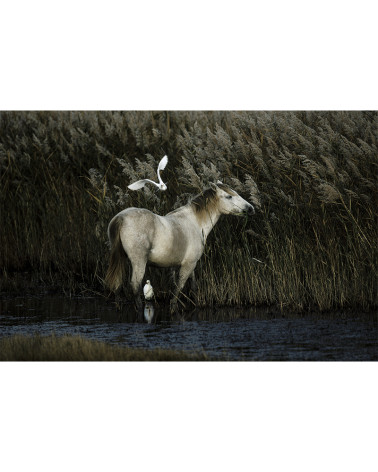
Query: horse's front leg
point(194, 284)
point(185, 271)
point(173, 276)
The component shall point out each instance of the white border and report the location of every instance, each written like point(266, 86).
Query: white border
point(188, 416)
point(198, 55)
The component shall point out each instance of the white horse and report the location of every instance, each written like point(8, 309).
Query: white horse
point(174, 240)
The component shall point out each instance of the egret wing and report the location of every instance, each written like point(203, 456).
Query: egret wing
point(137, 185)
point(140, 184)
point(161, 166)
point(163, 163)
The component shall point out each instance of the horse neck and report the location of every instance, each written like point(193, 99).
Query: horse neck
point(207, 220)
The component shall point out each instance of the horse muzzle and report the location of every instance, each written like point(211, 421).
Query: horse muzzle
point(249, 210)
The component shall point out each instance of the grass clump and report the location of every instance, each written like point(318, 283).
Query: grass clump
point(76, 348)
point(311, 175)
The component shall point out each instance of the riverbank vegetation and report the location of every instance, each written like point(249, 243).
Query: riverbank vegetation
point(76, 348)
point(312, 176)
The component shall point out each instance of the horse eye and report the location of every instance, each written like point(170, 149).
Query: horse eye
point(229, 197)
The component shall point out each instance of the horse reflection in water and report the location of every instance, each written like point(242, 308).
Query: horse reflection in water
point(174, 240)
point(149, 312)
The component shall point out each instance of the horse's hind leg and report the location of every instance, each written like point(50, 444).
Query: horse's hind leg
point(139, 268)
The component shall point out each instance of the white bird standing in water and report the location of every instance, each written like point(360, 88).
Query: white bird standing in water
point(148, 291)
point(161, 185)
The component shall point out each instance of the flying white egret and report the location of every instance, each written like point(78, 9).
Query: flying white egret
point(148, 291)
point(161, 185)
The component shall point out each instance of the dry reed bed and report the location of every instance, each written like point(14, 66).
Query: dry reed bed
point(76, 348)
point(312, 176)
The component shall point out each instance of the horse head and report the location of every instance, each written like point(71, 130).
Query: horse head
point(231, 203)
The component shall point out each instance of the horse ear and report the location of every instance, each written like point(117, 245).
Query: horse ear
point(213, 186)
point(219, 182)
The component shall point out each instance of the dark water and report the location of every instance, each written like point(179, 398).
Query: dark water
point(235, 334)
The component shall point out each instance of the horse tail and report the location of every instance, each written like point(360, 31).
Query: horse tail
point(116, 269)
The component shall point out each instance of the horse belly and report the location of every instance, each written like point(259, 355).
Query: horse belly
point(170, 247)
point(164, 256)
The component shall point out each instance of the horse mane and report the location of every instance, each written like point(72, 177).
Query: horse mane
point(207, 201)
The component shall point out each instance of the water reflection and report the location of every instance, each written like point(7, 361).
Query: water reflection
point(148, 312)
point(242, 333)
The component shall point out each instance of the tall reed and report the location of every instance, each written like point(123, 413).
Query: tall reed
point(311, 175)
